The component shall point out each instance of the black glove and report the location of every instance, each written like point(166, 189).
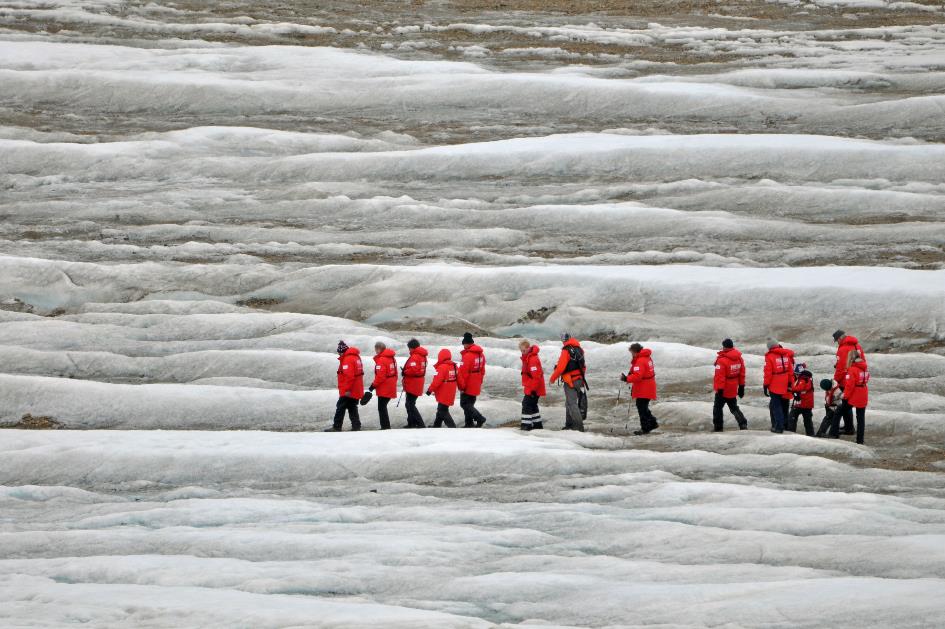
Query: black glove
point(429, 392)
point(765, 389)
point(623, 377)
point(370, 388)
point(797, 397)
point(741, 390)
point(366, 398)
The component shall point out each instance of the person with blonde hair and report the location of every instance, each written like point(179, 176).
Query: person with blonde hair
point(855, 394)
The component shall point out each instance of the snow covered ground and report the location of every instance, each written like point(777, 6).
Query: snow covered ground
point(460, 529)
point(198, 200)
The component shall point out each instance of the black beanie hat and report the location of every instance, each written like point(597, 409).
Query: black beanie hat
point(826, 384)
point(467, 339)
point(728, 344)
point(342, 347)
point(636, 347)
point(839, 334)
point(413, 343)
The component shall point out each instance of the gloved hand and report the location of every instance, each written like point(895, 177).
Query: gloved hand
point(370, 388)
point(741, 390)
point(765, 390)
point(797, 397)
point(366, 398)
point(429, 392)
point(623, 377)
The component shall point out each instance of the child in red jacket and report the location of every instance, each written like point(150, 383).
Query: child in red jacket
point(444, 385)
point(803, 406)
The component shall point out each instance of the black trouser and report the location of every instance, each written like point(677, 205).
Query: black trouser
point(847, 416)
point(647, 421)
point(778, 409)
point(472, 416)
point(350, 405)
point(732, 403)
point(414, 419)
point(382, 412)
point(826, 422)
point(808, 416)
point(845, 408)
point(443, 417)
point(531, 416)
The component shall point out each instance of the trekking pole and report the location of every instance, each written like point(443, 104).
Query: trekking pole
point(399, 399)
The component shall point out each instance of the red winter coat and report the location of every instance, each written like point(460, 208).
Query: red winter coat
point(415, 371)
point(804, 387)
point(642, 377)
point(445, 380)
point(351, 374)
point(385, 374)
point(779, 371)
point(840, 367)
point(472, 371)
point(533, 377)
point(856, 385)
point(729, 372)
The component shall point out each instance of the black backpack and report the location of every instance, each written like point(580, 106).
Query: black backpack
point(575, 360)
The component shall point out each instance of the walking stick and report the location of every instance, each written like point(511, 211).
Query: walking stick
point(399, 398)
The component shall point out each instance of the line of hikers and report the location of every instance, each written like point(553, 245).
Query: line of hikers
point(788, 385)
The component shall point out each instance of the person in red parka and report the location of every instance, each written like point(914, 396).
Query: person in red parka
point(642, 381)
point(385, 381)
point(533, 386)
point(414, 373)
point(856, 394)
point(472, 370)
point(350, 387)
point(803, 392)
point(444, 386)
point(778, 378)
point(845, 343)
point(729, 385)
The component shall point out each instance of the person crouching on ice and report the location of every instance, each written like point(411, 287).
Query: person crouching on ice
point(571, 370)
point(533, 386)
point(414, 374)
point(350, 387)
point(385, 382)
point(728, 383)
point(642, 381)
point(833, 395)
point(444, 385)
point(472, 371)
point(803, 406)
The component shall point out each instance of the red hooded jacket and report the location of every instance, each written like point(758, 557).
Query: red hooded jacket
point(351, 374)
point(472, 371)
point(445, 381)
point(415, 371)
point(804, 387)
point(840, 367)
point(533, 377)
point(856, 385)
point(779, 371)
point(642, 376)
point(729, 372)
point(385, 374)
